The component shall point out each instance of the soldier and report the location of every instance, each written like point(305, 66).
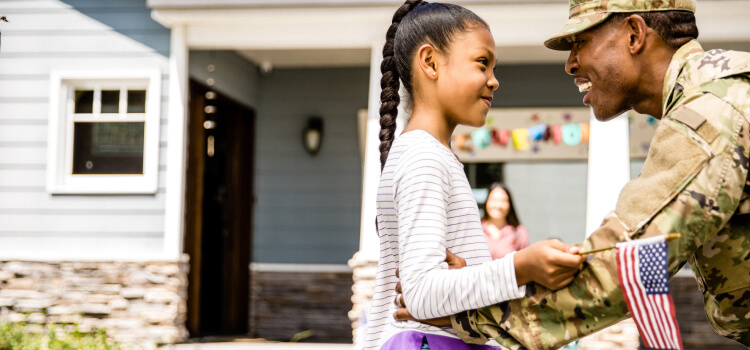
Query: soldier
point(642, 55)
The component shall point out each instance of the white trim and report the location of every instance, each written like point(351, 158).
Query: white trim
point(60, 136)
point(368, 236)
point(322, 268)
point(177, 150)
point(608, 167)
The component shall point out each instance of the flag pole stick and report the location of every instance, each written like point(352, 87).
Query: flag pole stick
point(669, 237)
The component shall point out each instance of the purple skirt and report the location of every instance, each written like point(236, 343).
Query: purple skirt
point(412, 340)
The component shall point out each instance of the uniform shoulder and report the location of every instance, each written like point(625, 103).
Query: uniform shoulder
point(711, 67)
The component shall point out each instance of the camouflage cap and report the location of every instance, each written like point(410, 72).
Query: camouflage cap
point(585, 14)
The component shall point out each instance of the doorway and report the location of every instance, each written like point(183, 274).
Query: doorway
point(218, 212)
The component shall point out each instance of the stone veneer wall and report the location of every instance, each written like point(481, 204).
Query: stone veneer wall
point(139, 303)
point(363, 276)
point(288, 300)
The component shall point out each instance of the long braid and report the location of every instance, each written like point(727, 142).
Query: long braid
point(389, 97)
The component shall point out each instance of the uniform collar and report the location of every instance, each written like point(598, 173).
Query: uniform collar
point(675, 69)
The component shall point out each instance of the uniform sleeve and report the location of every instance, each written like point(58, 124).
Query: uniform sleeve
point(691, 184)
point(422, 187)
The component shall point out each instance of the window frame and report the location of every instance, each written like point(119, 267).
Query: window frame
point(60, 177)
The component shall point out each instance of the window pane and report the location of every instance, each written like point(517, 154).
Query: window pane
point(84, 101)
point(108, 148)
point(110, 101)
point(136, 101)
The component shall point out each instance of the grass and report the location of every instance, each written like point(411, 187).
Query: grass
point(15, 336)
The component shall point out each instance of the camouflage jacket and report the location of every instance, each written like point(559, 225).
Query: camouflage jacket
point(694, 182)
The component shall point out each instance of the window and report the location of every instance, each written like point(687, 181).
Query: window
point(104, 132)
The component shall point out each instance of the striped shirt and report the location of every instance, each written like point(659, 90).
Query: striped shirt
point(425, 205)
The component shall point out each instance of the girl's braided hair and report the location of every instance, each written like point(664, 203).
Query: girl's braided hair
point(415, 23)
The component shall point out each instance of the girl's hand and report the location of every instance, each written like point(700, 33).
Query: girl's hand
point(550, 263)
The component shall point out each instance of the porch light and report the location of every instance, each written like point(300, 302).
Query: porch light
point(312, 135)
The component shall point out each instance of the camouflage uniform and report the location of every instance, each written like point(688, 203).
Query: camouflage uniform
point(694, 182)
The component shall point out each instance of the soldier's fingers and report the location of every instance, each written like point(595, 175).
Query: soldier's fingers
point(403, 315)
point(403, 301)
point(397, 276)
point(398, 287)
point(454, 261)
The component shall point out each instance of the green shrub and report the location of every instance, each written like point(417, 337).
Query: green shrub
point(15, 336)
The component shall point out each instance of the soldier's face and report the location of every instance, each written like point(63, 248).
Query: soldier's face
point(599, 61)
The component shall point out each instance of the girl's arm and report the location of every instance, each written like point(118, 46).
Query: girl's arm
point(422, 188)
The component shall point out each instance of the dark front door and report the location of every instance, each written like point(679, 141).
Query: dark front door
point(218, 222)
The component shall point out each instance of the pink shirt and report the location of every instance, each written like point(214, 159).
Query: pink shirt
point(511, 239)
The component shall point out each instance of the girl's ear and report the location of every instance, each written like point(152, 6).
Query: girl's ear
point(427, 58)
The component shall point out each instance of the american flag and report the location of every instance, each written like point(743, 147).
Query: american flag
point(644, 280)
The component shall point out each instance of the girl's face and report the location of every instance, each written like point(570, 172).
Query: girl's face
point(498, 204)
point(466, 80)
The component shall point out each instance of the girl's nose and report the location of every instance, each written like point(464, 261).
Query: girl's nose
point(493, 83)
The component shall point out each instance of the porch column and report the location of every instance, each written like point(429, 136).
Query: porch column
point(608, 168)
point(364, 263)
point(177, 125)
point(608, 172)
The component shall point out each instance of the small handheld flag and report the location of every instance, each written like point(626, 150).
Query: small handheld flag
point(644, 280)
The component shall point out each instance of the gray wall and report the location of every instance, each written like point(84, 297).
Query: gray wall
point(308, 208)
point(550, 197)
point(130, 18)
point(233, 75)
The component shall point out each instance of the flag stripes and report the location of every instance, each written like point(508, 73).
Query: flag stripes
point(643, 278)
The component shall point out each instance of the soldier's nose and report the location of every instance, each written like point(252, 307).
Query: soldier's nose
point(571, 66)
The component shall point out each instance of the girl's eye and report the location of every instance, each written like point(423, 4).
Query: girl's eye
point(484, 61)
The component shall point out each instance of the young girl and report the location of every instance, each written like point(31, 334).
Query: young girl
point(502, 229)
point(444, 55)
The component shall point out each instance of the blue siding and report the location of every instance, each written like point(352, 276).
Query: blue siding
point(308, 208)
point(128, 17)
point(55, 35)
point(233, 75)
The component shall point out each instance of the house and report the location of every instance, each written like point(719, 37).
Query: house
point(154, 179)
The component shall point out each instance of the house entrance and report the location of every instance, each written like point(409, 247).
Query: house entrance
point(218, 220)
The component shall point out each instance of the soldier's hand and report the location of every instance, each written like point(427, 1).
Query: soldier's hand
point(402, 314)
point(550, 263)
point(454, 261)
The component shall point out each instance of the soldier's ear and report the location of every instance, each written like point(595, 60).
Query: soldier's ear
point(637, 31)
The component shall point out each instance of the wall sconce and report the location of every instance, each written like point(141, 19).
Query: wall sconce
point(312, 135)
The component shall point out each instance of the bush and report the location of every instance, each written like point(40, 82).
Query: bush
point(15, 336)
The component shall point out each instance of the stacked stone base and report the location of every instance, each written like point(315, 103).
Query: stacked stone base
point(363, 276)
point(307, 304)
point(142, 304)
